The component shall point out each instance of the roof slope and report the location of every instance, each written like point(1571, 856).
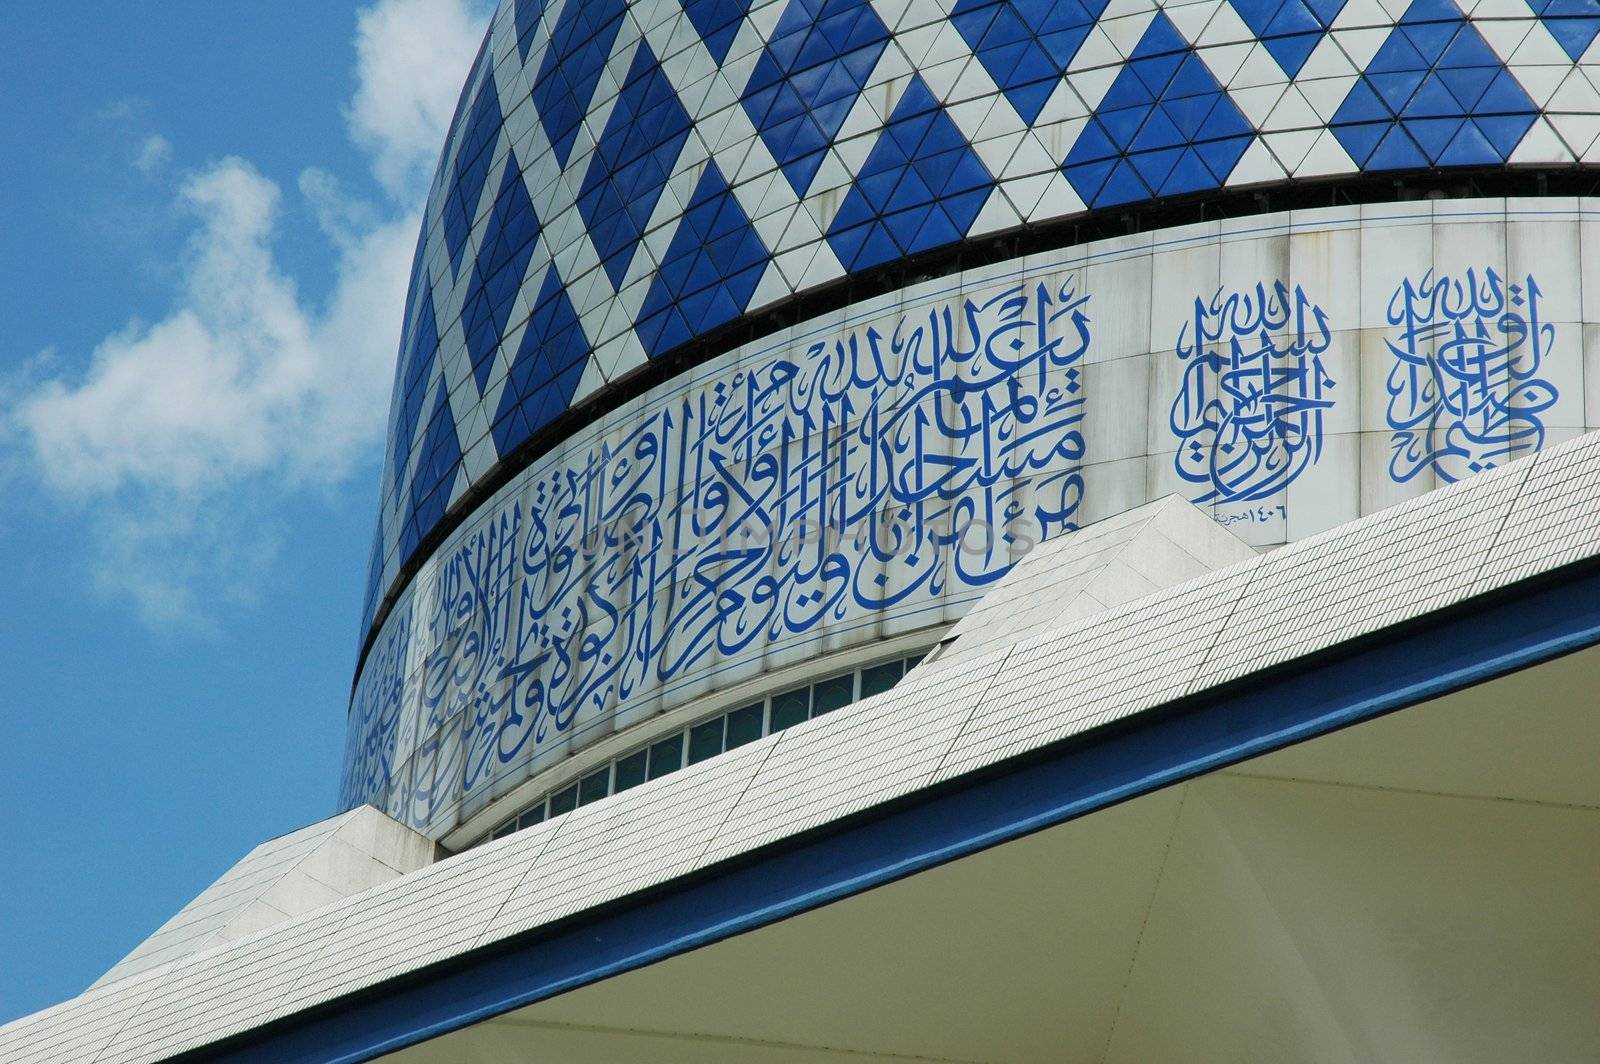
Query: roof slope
point(1390, 569)
point(1066, 580)
point(282, 878)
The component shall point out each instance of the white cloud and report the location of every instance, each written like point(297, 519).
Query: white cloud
point(180, 435)
point(155, 152)
point(405, 95)
point(243, 378)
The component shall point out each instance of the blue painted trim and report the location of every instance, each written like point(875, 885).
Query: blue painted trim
point(1446, 652)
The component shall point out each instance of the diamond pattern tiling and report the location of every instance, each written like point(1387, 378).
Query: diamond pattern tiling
point(709, 272)
point(526, 17)
point(580, 44)
point(717, 22)
point(546, 370)
point(1165, 126)
point(1289, 29)
point(920, 188)
point(1026, 45)
point(474, 153)
point(807, 79)
point(436, 467)
point(1435, 94)
point(632, 161)
point(416, 363)
point(1573, 23)
point(911, 115)
point(503, 257)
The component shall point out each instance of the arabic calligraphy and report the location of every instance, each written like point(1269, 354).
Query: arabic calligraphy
point(1249, 411)
point(874, 474)
point(1464, 391)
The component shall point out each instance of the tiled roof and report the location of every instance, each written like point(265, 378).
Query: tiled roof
point(1391, 569)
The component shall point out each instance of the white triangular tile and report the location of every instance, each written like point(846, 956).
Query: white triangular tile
point(1095, 51)
point(1225, 60)
point(1327, 60)
point(1539, 48)
point(1030, 157)
point(1325, 95)
point(824, 267)
point(1541, 144)
point(1503, 36)
point(1574, 95)
point(1258, 102)
point(1125, 32)
point(1064, 103)
point(1057, 138)
point(1360, 45)
point(770, 289)
point(1327, 156)
point(997, 215)
point(1361, 13)
point(1258, 68)
point(1579, 131)
point(1190, 20)
point(1290, 148)
point(1092, 85)
point(1257, 164)
point(996, 152)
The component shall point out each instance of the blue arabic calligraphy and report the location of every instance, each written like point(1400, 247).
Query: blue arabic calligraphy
point(865, 476)
point(1249, 412)
point(1464, 394)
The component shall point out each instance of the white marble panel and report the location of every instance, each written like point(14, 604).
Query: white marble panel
point(1013, 422)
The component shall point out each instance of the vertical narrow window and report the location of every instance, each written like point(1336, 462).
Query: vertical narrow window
point(833, 693)
point(631, 770)
point(790, 708)
point(705, 739)
point(595, 786)
point(666, 756)
point(877, 679)
point(744, 725)
point(564, 800)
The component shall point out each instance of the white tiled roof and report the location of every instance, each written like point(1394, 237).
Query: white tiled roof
point(1067, 580)
point(1393, 567)
point(282, 878)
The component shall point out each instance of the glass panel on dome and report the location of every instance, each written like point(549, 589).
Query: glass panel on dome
point(666, 756)
point(833, 693)
point(705, 740)
point(744, 725)
point(876, 679)
point(630, 770)
point(791, 707)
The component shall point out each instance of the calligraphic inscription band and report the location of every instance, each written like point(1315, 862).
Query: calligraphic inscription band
point(1250, 409)
point(881, 470)
point(1465, 393)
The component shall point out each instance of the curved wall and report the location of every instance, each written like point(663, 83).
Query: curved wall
point(870, 472)
point(623, 177)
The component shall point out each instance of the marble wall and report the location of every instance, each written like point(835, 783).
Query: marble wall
point(871, 472)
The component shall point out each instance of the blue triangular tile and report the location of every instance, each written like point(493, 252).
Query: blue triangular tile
point(1432, 134)
point(824, 51)
point(1503, 132)
point(631, 163)
point(1189, 175)
point(1396, 151)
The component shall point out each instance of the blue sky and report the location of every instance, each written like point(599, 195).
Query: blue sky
point(209, 216)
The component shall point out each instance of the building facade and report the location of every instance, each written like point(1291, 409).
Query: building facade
point(749, 344)
point(963, 531)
